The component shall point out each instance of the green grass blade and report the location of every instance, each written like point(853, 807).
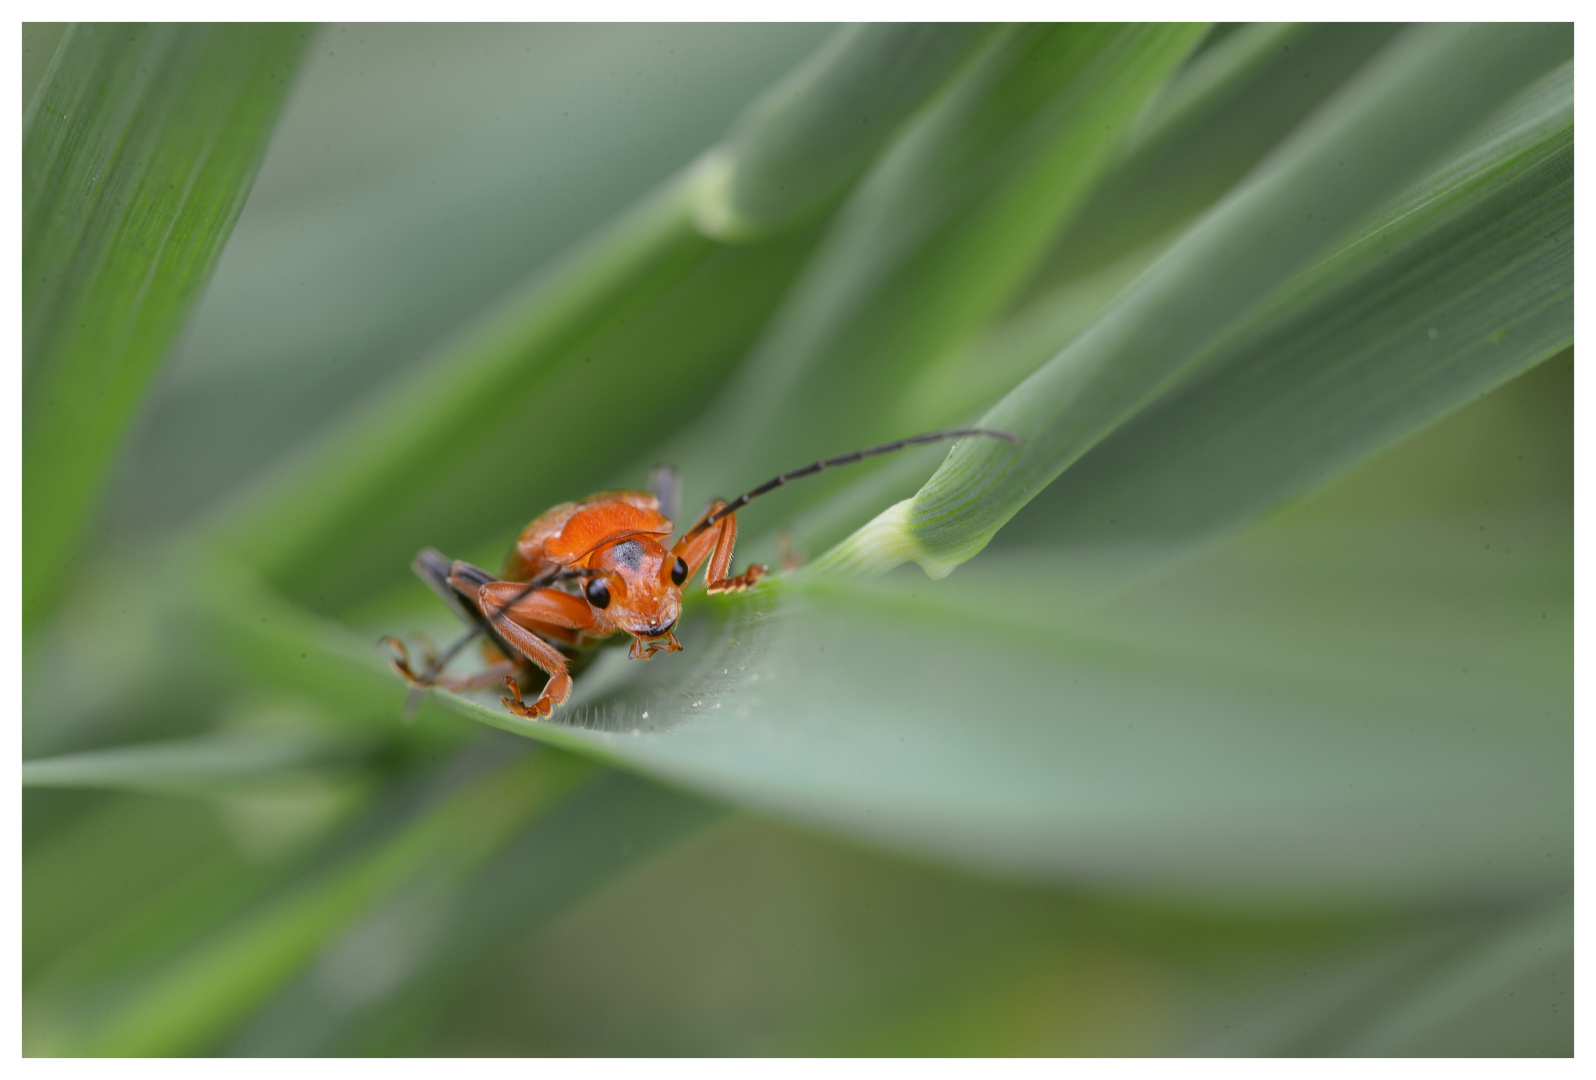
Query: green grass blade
point(138, 152)
point(933, 242)
point(1223, 112)
point(1374, 139)
point(1465, 284)
point(216, 764)
point(800, 147)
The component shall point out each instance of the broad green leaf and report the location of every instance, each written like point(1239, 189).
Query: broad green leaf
point(806, 140)
point(1339, 717)
point(205, 991)
point(138, 152)
point(216, 764)
point(1372, 140)
point(1123, 749)
point(39, 42)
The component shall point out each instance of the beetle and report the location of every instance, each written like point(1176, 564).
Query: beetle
point(588, 570)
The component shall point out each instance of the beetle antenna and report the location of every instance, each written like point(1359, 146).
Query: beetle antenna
point(846, 459)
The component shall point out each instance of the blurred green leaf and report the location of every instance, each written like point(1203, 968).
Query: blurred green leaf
point(814, 948)
point(1309, 793)
point(138, 152)
point(1371, 141)
point(413, 436)
point(608, 828)
point(1212, 123)
point(1507, 993)
point(105, 861)
point(208, 989)
point(215, 764)
point(807, 139)
point(420, 172)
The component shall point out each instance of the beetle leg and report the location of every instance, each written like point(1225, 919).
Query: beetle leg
point(510, 601)
point(715, 543)
point(507, 606)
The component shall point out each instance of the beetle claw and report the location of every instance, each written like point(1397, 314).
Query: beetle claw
point(400, 663)
point(537, 710)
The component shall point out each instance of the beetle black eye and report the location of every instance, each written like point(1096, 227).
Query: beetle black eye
point(598, 593)
point(679, 571)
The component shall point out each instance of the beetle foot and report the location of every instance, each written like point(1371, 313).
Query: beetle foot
point(400, 663)
point(555, 693)
point(537, 710)
point(742, 581)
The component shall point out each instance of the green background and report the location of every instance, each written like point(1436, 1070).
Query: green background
point(1248, 734)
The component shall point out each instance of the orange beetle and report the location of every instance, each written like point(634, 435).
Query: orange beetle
point(587, 570)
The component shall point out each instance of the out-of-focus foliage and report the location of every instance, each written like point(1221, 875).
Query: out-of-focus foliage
point(1246, 734)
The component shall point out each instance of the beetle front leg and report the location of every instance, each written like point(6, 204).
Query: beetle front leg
point(506, 604)
point(715, 543)
point(544, 656)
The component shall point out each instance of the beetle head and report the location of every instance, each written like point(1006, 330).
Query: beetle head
point(636, 585)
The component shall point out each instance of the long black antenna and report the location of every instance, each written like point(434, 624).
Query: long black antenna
point(846, 459)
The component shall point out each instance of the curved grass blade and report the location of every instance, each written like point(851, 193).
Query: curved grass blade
point(933, 242)
point(1216, 119)
point(216, 764)
point(1464, 285)
point(800, 147)
point(1359, 152)
point(138, 152)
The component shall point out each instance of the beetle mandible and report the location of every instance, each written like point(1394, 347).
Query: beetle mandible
point(585, 571)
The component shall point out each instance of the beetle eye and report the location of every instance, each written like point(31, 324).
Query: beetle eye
point(598, 593)
point(679, 571)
